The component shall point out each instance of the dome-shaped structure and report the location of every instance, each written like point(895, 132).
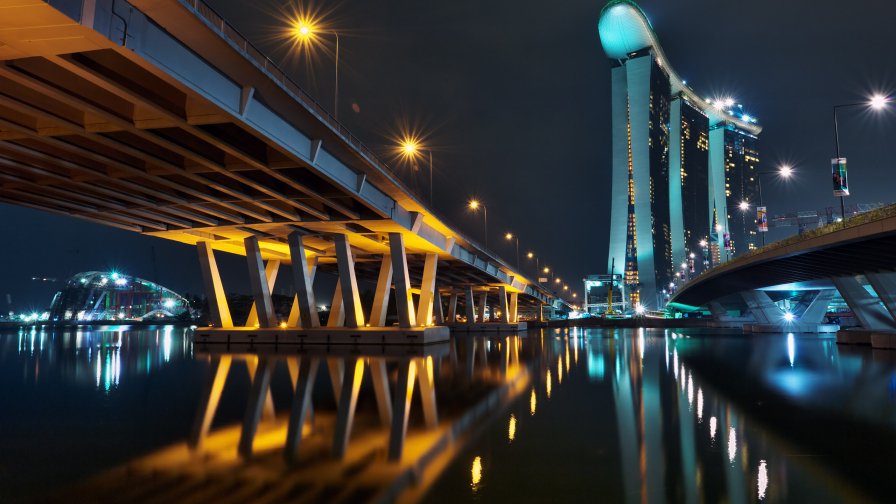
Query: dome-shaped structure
point(624, 29)
point(96, 295)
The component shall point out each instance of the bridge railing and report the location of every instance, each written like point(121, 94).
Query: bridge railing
point(854, 221)
point(255, 54)
point(274, 71)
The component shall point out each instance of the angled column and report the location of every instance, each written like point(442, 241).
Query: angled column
point(403, 299)
point(337, 313)
point(427, 290)
point(426, 382)
point(502, 304)
point(483, 299)
point(866, 307)
point(271, 268)
point(437, 309)
point(452, 308)
point(884, 285)
point(381, 296)
point(351, 299)
point(303, 279)
point(818, 308)
point(513, 308)
point(219, 312)
point(470, 303)
point(259, 284)
point(761, 306)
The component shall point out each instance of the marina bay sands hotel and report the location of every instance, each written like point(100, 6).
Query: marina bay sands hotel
point(684, 168)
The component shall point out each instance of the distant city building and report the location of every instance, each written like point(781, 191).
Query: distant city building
point(684, 168)
point(96, 295)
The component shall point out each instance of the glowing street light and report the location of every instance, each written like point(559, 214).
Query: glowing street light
point(744, 206)
point(875, 102)
point(304, 30)
point(410, 148)
point(475, 205)
point(510, 236)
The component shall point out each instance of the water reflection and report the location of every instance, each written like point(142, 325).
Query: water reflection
point(630, 415)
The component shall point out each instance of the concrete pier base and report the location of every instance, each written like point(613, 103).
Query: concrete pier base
point(854, 337)
point(325, 335)
point(883, 340)
point(490, 327)
point(796, 327)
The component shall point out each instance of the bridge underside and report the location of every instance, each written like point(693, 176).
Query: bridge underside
point(165, 126)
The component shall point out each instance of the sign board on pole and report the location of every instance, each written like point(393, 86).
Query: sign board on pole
point(838, 172)
point(727, 241)
point(762, 219)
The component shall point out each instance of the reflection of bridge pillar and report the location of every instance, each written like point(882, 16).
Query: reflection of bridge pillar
point(866, 307)
point(209, 399)
point(301, 406)
point(219, 312)
point(257, 398)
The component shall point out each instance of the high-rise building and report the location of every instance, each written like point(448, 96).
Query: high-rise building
point(684, 168)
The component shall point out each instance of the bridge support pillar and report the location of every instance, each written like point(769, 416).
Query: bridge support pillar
point(763, 309)
point(884, 284)
point(866, 307)
point(261, 280)
point(403, 299)
point(512, 313)
point(383, 290)
point(470, 302)
point(219, 311)
point(427, 291)
point(351, 299)
point(502, 305)
point(483, 299)
point(304, 305)
point(452, 308)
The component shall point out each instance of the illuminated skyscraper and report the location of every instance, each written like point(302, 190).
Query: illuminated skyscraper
point(680, 164)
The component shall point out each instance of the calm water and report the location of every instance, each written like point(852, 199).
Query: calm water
point(555, 416)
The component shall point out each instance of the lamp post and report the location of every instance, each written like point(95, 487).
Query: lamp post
point(876, 102)
point(785, 172)
point(511, 236)
point(305, 30)
point(531, 255)
point(410, 149)
point(475, 205)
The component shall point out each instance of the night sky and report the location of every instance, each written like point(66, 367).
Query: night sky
point(514, 99)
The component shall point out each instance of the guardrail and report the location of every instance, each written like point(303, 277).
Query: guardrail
point(854, 221)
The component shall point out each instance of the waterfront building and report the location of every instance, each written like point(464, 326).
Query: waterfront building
point(680, 165)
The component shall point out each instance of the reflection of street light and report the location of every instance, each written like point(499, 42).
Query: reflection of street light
point(475, 205)
point(510, 236)
point(876, 102)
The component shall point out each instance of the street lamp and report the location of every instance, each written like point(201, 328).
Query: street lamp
point(510, 236)
point(785, 171)
point(876, 102)
point(305, 31)
point(531, 255)
point(410, 148)
point(475, 205)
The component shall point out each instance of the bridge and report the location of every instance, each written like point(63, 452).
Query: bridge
point(853, 258)
point(158, 117)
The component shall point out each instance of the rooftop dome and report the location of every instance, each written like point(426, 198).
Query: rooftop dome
point(624, 29)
